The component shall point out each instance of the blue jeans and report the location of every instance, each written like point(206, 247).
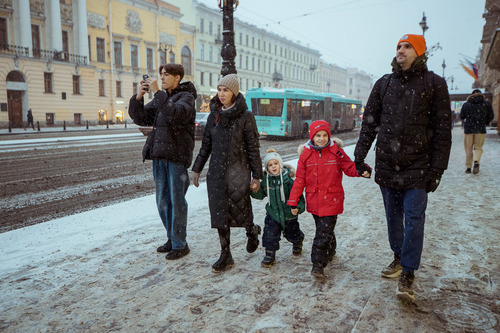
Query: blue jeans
point(406, 239)
point(172, 182)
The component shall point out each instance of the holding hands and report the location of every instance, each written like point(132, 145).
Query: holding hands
point(363, 169)
point(254, 185)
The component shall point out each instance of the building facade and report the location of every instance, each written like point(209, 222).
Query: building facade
point(78, 61)
point(263, 59)
point(489, 61)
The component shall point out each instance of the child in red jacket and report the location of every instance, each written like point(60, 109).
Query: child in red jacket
point(319, 171)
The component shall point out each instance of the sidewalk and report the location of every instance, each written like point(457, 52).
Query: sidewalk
point(5, 131)
point(98, 271)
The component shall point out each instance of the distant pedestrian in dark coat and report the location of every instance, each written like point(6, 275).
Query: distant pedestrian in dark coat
point(476, 114)
point(170, 145)
point(231, 140)
point(30, 120)
point(409, 113)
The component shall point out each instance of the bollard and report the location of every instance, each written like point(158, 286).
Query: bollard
point(64, 125)
point(10, 127)
point(38, 125)
point(107, 123)
point(125, 124)
point(87, 124)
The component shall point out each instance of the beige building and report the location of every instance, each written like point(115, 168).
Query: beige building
point(489, 62)
point(75, 61)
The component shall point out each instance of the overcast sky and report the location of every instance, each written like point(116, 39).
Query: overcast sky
point(364, 33)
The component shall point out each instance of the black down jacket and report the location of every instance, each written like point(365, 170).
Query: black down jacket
point(172, 117)
point(233, 147)
point(476, 114)
point(413, 122)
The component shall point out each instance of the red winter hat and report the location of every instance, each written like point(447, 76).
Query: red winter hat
point(319, 125)
point(417, 41)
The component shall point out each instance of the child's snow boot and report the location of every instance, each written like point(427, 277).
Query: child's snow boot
point(269, 259)
point(253, 238)
point(318, 270)
point(297, 249)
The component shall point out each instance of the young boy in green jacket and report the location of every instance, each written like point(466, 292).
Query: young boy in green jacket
point(276, 185)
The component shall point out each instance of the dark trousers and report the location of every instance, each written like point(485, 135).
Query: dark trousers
point(272, 233)
point(324, 240)
point(405, 213)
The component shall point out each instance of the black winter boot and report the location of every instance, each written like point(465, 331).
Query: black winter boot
point(269, 259)
point(226, 259)
point(297, 249)
point(253, 238)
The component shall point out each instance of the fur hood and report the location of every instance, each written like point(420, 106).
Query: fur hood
point(338, 141)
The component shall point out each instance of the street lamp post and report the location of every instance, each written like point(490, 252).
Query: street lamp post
point(228, 51)
point(444, 66)
point(423, 24)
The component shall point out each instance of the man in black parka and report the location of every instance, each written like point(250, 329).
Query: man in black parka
point(170, 145)
point(410, 113)
point(476, 114)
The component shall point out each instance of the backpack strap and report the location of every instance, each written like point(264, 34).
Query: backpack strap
point(385, 82)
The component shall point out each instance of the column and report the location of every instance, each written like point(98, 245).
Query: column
point(80, 31)
point(54, 28)
point(22, 23)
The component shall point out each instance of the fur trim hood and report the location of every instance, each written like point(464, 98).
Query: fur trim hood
point(338, 141)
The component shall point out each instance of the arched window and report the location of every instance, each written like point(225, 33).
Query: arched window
point(186, 61)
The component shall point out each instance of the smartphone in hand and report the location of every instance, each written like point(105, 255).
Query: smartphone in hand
point(144, 77)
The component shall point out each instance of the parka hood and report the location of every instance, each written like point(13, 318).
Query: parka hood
point(308, 144)
point(187, 86)
point(476, 98)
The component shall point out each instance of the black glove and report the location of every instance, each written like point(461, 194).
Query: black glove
point(361, 167)
point(433, 179)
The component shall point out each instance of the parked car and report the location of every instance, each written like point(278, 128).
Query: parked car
point(200, 123)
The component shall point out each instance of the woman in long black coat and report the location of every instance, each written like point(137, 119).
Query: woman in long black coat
point(231, 140)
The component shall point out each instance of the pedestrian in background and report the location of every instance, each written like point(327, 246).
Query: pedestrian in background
point(276, 186)
point(476, 114)
point(319, 171)
point(231, 140)
point(170, 145)
point(30, 120)
point(409, 111)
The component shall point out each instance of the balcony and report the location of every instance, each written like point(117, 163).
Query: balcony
point(61, 56)
point(218, 39)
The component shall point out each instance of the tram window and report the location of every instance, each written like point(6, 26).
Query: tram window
point(267, 107)
point(289, 109)
point(321, 110)
point(336, 110)
point(306, 109)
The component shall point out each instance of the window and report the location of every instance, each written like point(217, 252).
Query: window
point(76, 84)
point(47, 78)
point(118, 88)
point(202, 52)
point(149, 58)
point(202, 81)
point(163, 57)
point(77, 118)
point(246, 62)
point(49, 118)
point(210, 79)
point(3, 33)
point(118, 54)
point(134, 56)
point(219, 35)
point(210, 28)
point(267, 107)
point(202, 25)
point(218, 56)
point(90, 49)
point(258, 44)
point(253, 63)
point(101, 88)
point(100, 49)
point(247, 40)
point(253, 42)
point(134, 88)
point(241, 38)
point(186, 60)
point(65, 41)
point(35, 40)
point(172, 57)
point(211, 53)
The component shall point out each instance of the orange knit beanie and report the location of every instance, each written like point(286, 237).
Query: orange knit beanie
point(417, 41)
